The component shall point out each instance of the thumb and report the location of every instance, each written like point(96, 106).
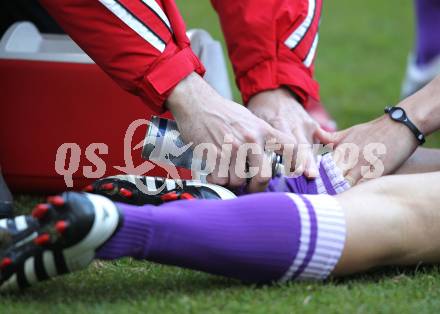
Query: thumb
point(327, 137)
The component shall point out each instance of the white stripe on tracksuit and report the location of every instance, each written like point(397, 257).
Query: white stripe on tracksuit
point(153, 5)
point(142, 30)
point(311, 55)
point(298, 34)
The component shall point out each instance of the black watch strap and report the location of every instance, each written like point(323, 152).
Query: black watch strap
point(398, 114)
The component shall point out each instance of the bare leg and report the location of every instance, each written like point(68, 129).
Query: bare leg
point(394, 220)
point(423, 160)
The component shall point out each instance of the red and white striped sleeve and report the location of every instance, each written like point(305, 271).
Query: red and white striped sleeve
point(272, 43)
point(141, 44)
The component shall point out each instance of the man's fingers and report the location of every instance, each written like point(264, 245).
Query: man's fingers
point(237, 170)
point(283, 141)
point(261, 179)
point(311, 170)
point(305, 163)
point(327, 137)
point(214, 178)
point(303, 159)
point(306, 148)
point(353, 176)
point(286, 147)
point(219, 175)
point(258, 184)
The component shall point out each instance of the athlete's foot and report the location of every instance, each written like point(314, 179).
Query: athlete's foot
point(60, 237)
point(141, 190)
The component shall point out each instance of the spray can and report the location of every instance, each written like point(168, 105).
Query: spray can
point(6, 209)
point(163, 143)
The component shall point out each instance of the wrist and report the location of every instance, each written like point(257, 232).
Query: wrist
point(419, 114)
point(274, 98)
point(397, 129)
point(423, 108)
point(186, 94)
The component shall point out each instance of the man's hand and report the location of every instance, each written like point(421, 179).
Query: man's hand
point(398, 140)
point(422, 108)
point(203, 116)
point(282, 111)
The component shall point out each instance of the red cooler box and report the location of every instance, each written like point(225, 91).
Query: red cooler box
point(52, 96)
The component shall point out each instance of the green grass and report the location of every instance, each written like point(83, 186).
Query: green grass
point(361, 61)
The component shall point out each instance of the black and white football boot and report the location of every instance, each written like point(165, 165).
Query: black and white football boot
point(60, 237)
point(16, 230)
point(141, 190)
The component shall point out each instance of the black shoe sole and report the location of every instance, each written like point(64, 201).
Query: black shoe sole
point(50, 233)
point(124, 191)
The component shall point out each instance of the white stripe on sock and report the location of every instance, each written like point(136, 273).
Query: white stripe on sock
point(325, 214)
point(304, 237)
point(335, 221)
point(330, 238)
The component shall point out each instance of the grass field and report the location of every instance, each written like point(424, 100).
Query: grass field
point(361, 61)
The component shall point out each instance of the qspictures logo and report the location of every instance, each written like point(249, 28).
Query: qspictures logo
point(206, 157)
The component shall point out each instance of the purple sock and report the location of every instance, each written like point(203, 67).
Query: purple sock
point(260, 237)
point(330, 181)
point(428, 26)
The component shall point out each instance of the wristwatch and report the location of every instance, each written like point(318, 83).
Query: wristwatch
point(398, 114)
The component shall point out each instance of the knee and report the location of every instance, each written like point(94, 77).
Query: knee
point(411, 229)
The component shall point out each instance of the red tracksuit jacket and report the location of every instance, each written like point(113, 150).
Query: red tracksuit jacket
point(143, 46)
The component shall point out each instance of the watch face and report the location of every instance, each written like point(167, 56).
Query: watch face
point(397, 114)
